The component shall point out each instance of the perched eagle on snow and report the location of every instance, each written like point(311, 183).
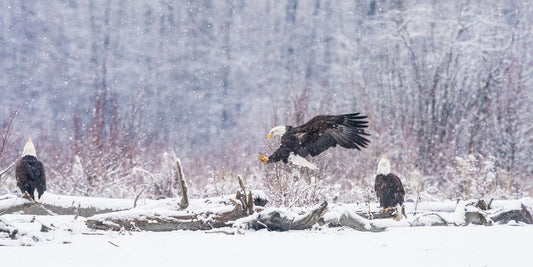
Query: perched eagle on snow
point(389, 189)
point(30, 173)
point(317, 135)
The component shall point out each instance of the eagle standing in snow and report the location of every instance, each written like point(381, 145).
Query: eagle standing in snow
point(29, 172)
point(317, 135)
point(389, 190)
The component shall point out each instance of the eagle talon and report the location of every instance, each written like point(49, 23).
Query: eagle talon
point(262, 158)
point(385, 210)
point(26, 196)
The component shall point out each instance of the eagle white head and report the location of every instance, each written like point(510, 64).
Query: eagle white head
point(278, 130)
point(384, 166)
point(29, 149)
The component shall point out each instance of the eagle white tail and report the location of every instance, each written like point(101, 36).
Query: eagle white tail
point(300, 161)
point(36, 196)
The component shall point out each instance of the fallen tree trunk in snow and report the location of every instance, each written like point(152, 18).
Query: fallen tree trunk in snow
point(521, 214)
point(240, 212)
point(53, 204)
point(167, 215)
point(8, 229)
point(341, 215)
point(168, 220)
point(282, 220)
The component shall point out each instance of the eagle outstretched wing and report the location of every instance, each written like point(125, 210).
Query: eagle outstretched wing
point(323, 132)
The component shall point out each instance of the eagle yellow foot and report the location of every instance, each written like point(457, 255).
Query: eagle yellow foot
point(385, 210)
point(27, 196)
point(262, 158)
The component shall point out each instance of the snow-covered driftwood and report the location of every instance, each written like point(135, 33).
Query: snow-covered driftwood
point(477, 212)
point(53, 204)
point(344, 215)
point(282, 219)
point(8, 229)
point(518, 214)
point(239, 212)
point(167, 215)
point(453, 213)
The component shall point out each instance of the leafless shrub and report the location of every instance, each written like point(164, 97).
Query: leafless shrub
point(6, 144)
point(286, 186)
point(477, 176)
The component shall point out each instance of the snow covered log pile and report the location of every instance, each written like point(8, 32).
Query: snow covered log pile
point(166, 215)
point(237, 212)
point(53, 204)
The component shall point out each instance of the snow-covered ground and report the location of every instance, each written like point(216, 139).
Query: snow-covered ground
point(72, 244)
point(65, 240)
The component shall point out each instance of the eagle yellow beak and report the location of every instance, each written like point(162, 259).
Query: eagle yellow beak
point(385, 156)
point(269, 136)
point(29, 140)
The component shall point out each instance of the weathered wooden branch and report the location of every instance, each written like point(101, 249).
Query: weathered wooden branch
point(343, 215)
point(440, 221)
point(519, 215)
point(421, 186)
point(358, 223)
point(10, 230)
point(279, 220)
point(146, 220)
point(184, 203)
point(137, 198)
point(475, 215)
point(247, 201)
point(64, 205)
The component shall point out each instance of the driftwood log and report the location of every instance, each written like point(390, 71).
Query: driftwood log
point(343, 217)
point(519, 215)
point(165, 221)
point(34, 208)
point(8, 229)
point(247, 201)
point(279, 220)
point(239, 211)
point(53, 204)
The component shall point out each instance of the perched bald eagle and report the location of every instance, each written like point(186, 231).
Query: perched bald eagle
point(389, 190)
point(29, 172)
point(317, 135)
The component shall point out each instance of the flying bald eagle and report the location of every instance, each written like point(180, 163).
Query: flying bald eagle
point(29, 172)
point(389, 190)
point(317, 135)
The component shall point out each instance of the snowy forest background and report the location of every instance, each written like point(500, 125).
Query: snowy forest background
point(113, 91)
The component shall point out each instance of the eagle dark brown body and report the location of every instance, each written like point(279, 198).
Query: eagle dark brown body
point(389, 190)
point(30, 176)
point(29, 172)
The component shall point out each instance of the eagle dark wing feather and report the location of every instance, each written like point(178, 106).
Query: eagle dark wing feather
point(399, 191)
point(20, 174)
point(379, 184)
point(323, 132)
point(41, 176)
